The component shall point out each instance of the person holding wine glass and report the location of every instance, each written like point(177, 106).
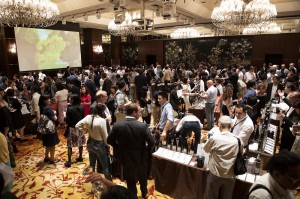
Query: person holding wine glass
point(109, 189)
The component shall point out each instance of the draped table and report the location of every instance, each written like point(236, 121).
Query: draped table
point(186, 182)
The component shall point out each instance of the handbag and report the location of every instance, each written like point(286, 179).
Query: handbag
point(239, 165)
point(46, 125)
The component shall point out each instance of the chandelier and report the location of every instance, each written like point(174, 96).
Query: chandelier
point(124, 28)
point(182, 33)
point(236, 14)
point(269, 28)
point(30, 13)
point(134, 24)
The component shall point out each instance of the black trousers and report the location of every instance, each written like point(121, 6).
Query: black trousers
point(132, 174)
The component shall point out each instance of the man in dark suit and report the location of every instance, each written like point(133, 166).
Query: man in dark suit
point(140, 80)
point(290, 118)
point(273, 88)
point(129, 138)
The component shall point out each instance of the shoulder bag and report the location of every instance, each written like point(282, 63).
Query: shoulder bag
point(239, 165)
point(46, 125)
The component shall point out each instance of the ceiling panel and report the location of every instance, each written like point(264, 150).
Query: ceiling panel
point(288, 13)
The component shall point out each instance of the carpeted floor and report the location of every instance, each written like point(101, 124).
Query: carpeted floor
point(36, 180)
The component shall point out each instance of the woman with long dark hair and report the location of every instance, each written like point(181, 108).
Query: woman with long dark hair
point(49, 140)
point(75, 137)
point(15, 106)
point(95, 125)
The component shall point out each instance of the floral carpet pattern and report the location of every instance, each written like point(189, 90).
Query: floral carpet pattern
point(36, 180)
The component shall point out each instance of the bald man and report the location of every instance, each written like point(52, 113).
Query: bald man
point(210, 96)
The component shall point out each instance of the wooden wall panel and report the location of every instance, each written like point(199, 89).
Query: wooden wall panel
point(92, 37)
point(286, 44)
point(154, 47)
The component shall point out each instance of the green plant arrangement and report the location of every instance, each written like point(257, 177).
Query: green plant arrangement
point(173, 53)
point(189, 56)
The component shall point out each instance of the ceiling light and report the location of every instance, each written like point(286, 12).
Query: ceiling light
point(85, 17)
point(236, 14)
point(31, 13)
point(182, 33)
point(192, 22)
point(98, 14)
point(73, 19)
point(63, 21)
point(269, 28)
point(98, 49)
point(186, 21)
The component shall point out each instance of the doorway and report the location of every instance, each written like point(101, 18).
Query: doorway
point(151, 59)
point(275, 59)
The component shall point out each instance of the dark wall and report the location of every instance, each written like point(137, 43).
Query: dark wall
point(92, 37)
point(234, 50)
point(287, 45)
point(154, 47)
point(8, 61)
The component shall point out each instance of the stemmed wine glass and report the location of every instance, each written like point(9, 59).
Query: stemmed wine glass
point(98, 186)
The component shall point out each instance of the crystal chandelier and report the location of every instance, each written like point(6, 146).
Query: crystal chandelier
point(236, 14)
point(125, 28)
point(269, 28)
point(30, 13)
point(182, 33)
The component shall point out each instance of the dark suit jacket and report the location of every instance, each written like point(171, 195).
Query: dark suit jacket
point(287, 138)
point(129, 137)
point(269, 90)
point(140, 81)
point(106, 86)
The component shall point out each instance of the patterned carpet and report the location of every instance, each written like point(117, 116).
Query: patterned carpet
point(36, 180)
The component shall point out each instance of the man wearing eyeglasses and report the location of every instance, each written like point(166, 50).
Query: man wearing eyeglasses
point(101, 98)
point(283, 176)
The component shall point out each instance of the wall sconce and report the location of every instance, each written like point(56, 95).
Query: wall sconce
point(98, 49)
point(13, 48)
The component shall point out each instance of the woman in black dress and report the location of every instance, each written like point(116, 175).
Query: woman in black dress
point(15, 107)
point(49, 140)
point(75, 137)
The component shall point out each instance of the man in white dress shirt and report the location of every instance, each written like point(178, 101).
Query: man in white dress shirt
point(188, 124)
point(242, 124)
point(210, 95)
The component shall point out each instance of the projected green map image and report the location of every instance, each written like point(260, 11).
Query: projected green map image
point(40, 49)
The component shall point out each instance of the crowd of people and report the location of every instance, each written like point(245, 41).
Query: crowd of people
point(106, 102)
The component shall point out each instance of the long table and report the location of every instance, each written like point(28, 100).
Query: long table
point(186, 182)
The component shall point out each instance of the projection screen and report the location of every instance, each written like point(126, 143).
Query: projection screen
point(41, 49)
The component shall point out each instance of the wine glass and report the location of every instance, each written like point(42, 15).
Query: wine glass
point(98, 186)
point(88, 170)
point(164, 143)
point(295, 120)
point(192, 153)
point(177, 142)
point(179, 149)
